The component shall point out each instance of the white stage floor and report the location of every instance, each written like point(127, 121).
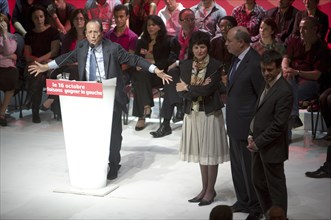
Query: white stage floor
point(153, 182)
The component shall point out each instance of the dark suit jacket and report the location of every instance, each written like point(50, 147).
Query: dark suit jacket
point(113, 55)
point(242, 94)
point(270, 130)
point(210, 92)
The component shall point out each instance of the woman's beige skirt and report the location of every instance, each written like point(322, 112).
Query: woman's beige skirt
point(204, 139)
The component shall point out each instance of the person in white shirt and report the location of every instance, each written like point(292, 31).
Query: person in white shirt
point(169, 15)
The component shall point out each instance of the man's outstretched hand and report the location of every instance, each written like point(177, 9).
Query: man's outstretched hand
point(35, 69)
point(165, 77)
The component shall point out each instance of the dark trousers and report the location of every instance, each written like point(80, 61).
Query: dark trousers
point(270, 183)
point(171, 97)
point(241, 162)
point(325, 104)
point(116, 139)
point(143, 83)
point(327, 164)
point(35, 87)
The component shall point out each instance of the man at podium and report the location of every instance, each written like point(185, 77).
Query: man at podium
point(99, 58)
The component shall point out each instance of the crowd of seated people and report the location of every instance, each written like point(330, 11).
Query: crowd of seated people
point(275, 28)
point(78, 20)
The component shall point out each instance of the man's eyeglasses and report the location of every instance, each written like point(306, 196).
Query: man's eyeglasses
point(188, 19)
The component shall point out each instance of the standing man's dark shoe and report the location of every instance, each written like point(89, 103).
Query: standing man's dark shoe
point(163, 130)
point(254, 215)
point(112, 173)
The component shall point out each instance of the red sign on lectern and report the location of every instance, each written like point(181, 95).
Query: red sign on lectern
point(74, 88)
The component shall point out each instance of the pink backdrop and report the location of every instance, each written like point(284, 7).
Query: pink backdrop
point(228, 5)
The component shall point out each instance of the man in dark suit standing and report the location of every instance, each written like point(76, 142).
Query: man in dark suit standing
point(245, 82)
point(108, 58)
point(268, 139)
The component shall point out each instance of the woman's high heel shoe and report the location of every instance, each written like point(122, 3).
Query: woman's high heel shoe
point(43, 108)
point(206, 202)
point(140, 124)
point(147, 112)
point(195, 199)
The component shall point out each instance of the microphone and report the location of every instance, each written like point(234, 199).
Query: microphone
point(65, 59)
point(95, 57)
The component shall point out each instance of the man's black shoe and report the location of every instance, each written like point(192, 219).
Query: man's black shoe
point(163, 130)
point(295, 122)
point(179, 116)
point(236, 208)
point(113, 174)
point(254, 215)
point(320, 173)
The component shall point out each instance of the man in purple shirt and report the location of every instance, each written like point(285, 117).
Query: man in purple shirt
point(122, 35)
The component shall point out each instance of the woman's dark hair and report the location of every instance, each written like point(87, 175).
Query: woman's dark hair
point(162, 33)
point(270, 22)
point(36, 8)
point(73, 15)
point(198, 37)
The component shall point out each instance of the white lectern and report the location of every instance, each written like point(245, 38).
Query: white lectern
point(87, 126)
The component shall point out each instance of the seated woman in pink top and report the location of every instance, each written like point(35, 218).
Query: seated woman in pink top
point(8, 72)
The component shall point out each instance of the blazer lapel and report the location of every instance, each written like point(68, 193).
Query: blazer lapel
point(82, 54)
point(272, 91)
point(240, 68)
point(106, 58)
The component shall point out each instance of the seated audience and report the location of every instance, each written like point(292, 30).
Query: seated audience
point(139, 10)
point(169, 15)
point(204, 139)
point(20, 16)
point(312, 11)
point(8, 72)
point(42, 44)
point(60, 12)
point(249, 15)
point(78, 20)
point(284, 16)
point(267, 38)
point(154, 46)
point(207, 14)
point(306, 58)
point(179, 52)
point(221, 212)
point(102, 10)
